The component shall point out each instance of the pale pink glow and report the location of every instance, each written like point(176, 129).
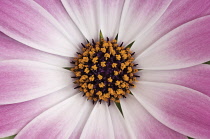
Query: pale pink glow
point(39, 38)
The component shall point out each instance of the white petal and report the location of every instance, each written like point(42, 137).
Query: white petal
point(144, 125)
point(99, 124)
point(138, 16)
point(35, 28)
point(85, 14)
point(182, 109)
point(59, 121)
point(56, 8)
point(121, 131)
point(23, 80)
point(110, 15)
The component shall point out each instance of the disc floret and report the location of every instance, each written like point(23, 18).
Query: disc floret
point(104, 71)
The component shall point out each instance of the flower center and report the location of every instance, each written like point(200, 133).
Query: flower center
point(104, 71)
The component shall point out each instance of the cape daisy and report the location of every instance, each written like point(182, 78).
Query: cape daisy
point(41, 39)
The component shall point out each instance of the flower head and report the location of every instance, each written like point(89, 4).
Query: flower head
point(68, 65)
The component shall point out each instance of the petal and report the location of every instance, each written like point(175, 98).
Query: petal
point(25, 80)
point(110, 15)
point(121, 131)
point(14, 117)
point(85, 14)
point(178, 13)
point(99, 124)
point(35, 28)
point(12, 49)
point(186, 46)
point(138, 16)
point(59, 121)
point(197, 77)
point(142, 123)
point(56, 8)
point(182, 109)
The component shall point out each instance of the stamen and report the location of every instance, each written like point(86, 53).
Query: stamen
point(104, 71)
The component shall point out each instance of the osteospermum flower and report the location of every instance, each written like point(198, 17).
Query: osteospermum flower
point(65, 64)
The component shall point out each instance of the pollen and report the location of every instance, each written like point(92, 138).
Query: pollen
point(104, 71)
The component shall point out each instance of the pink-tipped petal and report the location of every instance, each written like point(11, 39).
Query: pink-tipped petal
point(59, 121)
point(25, 80)
point(56, 8)
point(14, 117)
point(12, 49)
point(196, 77)
point(186, 46)
point(178, 13)
point(121, 131)
point(110, 15)
point(144, 125)
point(85, 14)
point(99, 124)
point(181, 109)
point(138, 16)
point(35, 28)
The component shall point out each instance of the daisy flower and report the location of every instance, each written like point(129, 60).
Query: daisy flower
point(67, 66)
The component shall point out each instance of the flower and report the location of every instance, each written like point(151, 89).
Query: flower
point(39, 39)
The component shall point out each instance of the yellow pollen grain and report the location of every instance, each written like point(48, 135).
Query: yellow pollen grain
point(117, 83)
point(85, 53)
point(91, 78)
point(81, 66)
point(119, 91)
point(95, 99)
point(135, 70)
point(85, 90)
point(94, 67)
point(84, 77)
point(116, 73)
point(110, 79)
point(84, 85)
point(103, 50)
point(123, 66)
point(114, 41)
point(113, 52)
point(107, 95)
point(125, 77)
point(85, 59)
point(122, 52)
point(80, 89)
point(101, 85)
point(114, 65)
point(91, 53)
point(124, 56)
point(127, 63)
point(118, 57)
point(123, 85)
point(129, 69)
point(128, 91)
point(93, 49)
point(90, 86)
point(100, 77)
point(105, 45)
point(103, 64)
point(111, 91)
point(99, 93)
point(87, 94)
point(86, 70)
point(91, 92)
point(78, 74)
point(107, 56)
point(95, 60)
